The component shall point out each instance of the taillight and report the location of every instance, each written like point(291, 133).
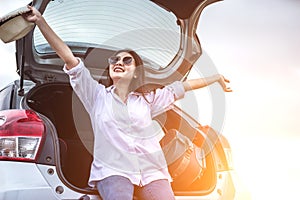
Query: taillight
point(21, 135)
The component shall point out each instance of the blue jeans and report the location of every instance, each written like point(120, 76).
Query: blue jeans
point(119, 187)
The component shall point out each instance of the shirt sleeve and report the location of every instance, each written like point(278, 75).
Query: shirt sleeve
point(83, 84)
point(162, 99)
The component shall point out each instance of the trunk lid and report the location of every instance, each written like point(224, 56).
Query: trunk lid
point(162, 32)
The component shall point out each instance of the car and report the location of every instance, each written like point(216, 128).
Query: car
point(46, 139)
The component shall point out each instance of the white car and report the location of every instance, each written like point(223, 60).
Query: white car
point(45, 133)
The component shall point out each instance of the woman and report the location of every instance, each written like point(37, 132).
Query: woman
point(128, 159)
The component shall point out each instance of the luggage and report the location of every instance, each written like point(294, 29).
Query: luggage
point(186, 161)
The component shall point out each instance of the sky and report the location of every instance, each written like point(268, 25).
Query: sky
point(255, 44)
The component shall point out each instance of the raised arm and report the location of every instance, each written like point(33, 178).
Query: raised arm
point(62, 50)
point(203, 82)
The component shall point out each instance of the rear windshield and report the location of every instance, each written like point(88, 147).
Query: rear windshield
point(140, 25)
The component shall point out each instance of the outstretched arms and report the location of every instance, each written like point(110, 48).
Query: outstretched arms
point(62, 50)
point(202, 82)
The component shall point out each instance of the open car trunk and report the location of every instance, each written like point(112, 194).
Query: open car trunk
point(58, 102)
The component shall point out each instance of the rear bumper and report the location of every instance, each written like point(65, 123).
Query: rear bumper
point(241, 191)
point(27, 181)
point(22, 181)
point(224, 189)
point(228, 187)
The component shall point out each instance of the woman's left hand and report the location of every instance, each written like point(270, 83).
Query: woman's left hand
point(224, 83)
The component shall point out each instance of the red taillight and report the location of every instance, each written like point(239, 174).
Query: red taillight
point(21, 134)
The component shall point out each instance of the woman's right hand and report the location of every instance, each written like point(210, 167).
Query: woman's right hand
point(33, 15)
point(57, 44)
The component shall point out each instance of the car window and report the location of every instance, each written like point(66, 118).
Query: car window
point(140, 25)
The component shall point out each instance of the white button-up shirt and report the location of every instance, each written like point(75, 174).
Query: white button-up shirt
point(125, 140)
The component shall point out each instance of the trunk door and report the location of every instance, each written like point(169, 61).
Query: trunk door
point(162, 32)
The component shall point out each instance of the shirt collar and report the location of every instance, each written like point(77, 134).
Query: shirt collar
point(111, 88)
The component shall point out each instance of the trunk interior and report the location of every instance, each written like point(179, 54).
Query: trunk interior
point(58, 102)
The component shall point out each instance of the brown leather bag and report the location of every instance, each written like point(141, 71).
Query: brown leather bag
point(186, 161)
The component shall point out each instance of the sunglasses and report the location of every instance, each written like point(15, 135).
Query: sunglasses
point(127, 60)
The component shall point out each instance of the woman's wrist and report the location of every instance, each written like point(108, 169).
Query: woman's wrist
point(40, 20)
point(218, 77)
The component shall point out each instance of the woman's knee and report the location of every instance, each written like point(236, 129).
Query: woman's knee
point(156, 190)
point(115, 188)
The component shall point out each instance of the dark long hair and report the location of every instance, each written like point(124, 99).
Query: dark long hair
point(137, 84)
